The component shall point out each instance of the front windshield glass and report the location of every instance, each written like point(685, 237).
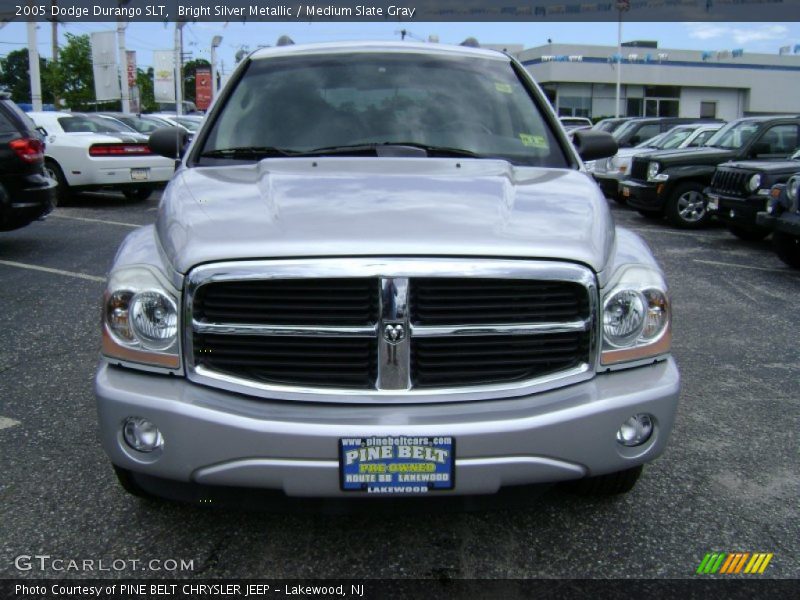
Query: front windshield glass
point(105, 124)
point(620, 131)
point(734, 135)
point(652, 142)
point(305, 103)
point(674, 138)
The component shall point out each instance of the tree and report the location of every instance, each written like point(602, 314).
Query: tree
point(144, 80)
point(189, 77)
point(15, 76)
point(73, 75)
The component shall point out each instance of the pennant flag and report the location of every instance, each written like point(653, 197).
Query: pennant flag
point(784, 50)
point(738, 52)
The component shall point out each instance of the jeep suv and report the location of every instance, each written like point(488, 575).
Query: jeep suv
point(782, 218)
point(672, 182)
point(26, 193)
point(739, 189)
point(381, 270)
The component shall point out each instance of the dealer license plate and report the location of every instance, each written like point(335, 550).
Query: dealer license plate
point(713, 202)
point(140, 174)
point(397, 464)
point(626, 191)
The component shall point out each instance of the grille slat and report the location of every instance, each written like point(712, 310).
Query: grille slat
point(730, 182)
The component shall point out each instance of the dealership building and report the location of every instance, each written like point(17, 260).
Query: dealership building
point(580, 80)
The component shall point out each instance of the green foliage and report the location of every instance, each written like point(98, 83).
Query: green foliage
point(144, 80)
point(15, 76)
point(72, 75)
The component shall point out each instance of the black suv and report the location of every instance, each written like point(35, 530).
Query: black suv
point(673, 182)
point(739, 189)
point(782, 218)
point(26, 193)
point(635, 131)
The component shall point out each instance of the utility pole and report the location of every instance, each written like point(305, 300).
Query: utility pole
point(33, 66)
point(215, 42)
point(123, 61)
point(179, 67)
point(622, 5)
point(54, 44)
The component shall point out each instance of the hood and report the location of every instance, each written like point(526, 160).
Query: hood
point(692, 156)
point(355, 206)
point(765, 166)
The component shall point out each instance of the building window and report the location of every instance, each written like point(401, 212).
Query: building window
point(660, 107)
point(708, 110)
point(574, 106)
point(662, 91)
point(635, 107)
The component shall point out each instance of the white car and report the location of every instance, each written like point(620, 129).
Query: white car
point(608, 172)
point(89, 152)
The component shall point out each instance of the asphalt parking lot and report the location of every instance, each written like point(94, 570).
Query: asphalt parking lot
point(730, 480)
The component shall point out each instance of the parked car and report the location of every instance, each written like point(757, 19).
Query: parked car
point(782, 218)
point(635, 131)
point(26, 193)
point(672, 182)
point(609, 172)
point(575, 122)
point(610, 124)
point(380, 270)
point(190, 122)
point(90, 152)
point(145, 124)
point(738, 190)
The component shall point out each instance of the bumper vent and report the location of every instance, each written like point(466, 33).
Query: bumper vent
point(729, 182)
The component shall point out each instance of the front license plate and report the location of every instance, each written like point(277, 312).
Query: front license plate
point(397, 464)
point(626, 192)
point(140, 174)
point(713, 202)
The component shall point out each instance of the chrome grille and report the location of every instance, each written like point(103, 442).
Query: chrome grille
point(639, 169)
point(404, 330)
point(730, 182)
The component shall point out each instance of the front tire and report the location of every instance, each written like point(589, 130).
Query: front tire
point(687, 207)
point(611, 484)
point(787, 247)
point(748, 235)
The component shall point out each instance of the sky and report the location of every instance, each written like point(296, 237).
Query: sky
point(146, 37)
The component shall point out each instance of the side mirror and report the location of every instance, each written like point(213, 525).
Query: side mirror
point(169, 141)
point(592, 145)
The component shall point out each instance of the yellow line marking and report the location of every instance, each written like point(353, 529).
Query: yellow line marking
point(766, 562)
point(741, 562)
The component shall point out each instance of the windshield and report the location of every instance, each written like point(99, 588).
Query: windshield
point(300, 104)
point(674, 138)
point(190, 124)
point(734, 135)
point(620, 131)
point(652, 142)
point(93, 124)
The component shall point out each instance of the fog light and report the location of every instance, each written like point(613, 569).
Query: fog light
point(141, 434)
point(636, 430)
point(732, 214)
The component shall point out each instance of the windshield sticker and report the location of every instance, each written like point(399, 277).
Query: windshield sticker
point(534, 141)
point(503, 87)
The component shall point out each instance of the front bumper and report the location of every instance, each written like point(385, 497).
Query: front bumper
point(608, 182)
point(642, 196)
point(219, 438)
point(736, 211)
point(785, 223)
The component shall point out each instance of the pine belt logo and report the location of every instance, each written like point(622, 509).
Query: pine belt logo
point(731, 563)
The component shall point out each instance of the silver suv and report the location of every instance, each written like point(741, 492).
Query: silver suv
point(381, 270)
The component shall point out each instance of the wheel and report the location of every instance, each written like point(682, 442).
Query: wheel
point(649, 214)
point(787, 247)
point(129, 484)
point(53, 171)
point(749, 235)
point(611, 484)
point(686, 207)
point(137, 194)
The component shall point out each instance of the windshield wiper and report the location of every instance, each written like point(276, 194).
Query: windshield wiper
point(246, 152)
point(389, 147)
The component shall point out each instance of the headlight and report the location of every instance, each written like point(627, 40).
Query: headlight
point(792, 193)
point(754, 182)
point(653, 169)
point(140, 318)
point(636, 317)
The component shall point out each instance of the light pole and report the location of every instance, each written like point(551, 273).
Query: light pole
point(215, 42)
point(622, 5)
point(33, 66)
point(123, 60)
point(179, 67)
